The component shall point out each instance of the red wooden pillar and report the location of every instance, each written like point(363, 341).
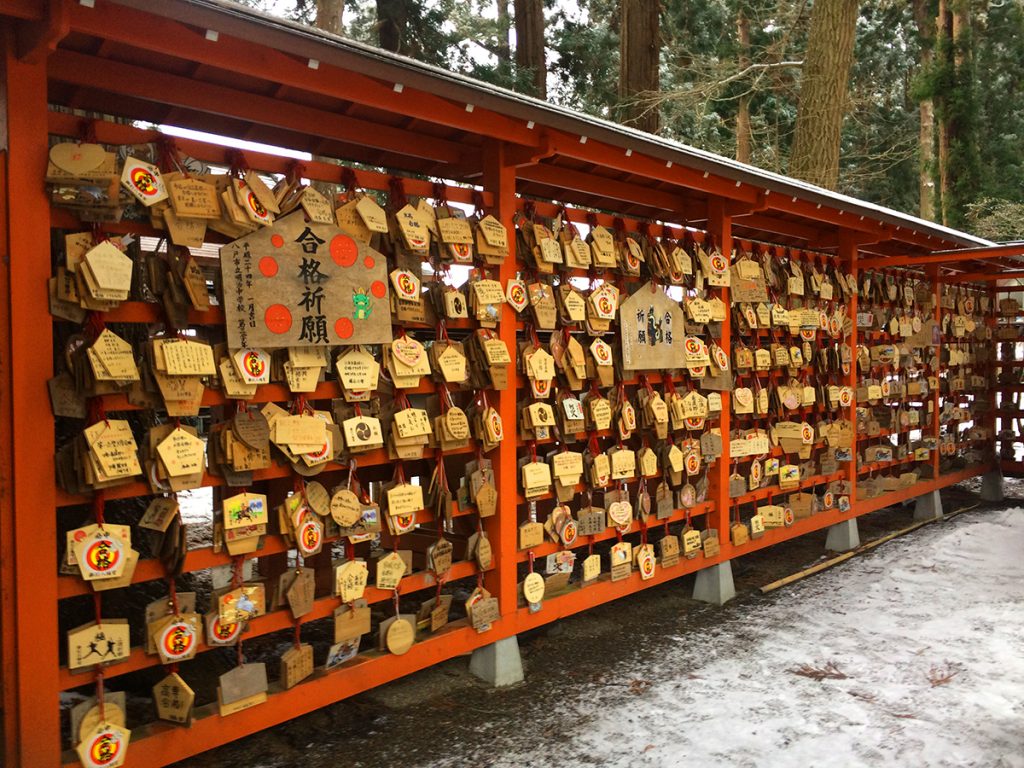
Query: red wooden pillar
point(8, 611)
point(848, 261)
point(500, 180)
point(720, 227)
point(990, 373)
point(27, 494)
point(933, 275)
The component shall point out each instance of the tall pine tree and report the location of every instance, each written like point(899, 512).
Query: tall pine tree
point(531, 47)
point(639, 52)
point(824, 93)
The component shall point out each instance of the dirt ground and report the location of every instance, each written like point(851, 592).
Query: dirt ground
point(410, 721)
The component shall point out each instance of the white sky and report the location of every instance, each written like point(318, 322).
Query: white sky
point(227, 141)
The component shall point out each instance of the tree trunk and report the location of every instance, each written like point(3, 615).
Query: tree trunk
point(926, 178)
point(504, 52)
point(639, 49)
point(964, 164)
point(530, 47)
point(824, 92)
point(944, 29)
point(961, 25)
point(391, 25)
point(330, 15)
point(743, 138)
point(926, 111)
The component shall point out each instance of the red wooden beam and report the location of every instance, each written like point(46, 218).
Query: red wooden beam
point(981, 277)
point(173, 37)
point(824, 214)
point(953, 256)
point(611, 157)
point(90, 99)
point(30, 10)
point(36, 40)
point(856, 238)
point(593, 184)
point(985, 251)
point(106, 75)
point(767, 223)
point(63, 124)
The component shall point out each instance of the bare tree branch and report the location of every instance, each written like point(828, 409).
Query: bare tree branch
point(757, 67)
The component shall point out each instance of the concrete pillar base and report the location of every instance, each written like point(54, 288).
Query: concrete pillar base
point(714, 584)
point(992, 486)
point(928, 506)
point(844, 536)
point(498, 664)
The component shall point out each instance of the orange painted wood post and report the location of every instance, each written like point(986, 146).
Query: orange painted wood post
point(32, 730)
point(848, 261)
point(989, 420)
point(8, 604)
point(500, 180)
point(720, 227)
point(933, 275)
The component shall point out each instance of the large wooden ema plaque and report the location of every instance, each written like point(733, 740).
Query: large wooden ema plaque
point(648, 320)
point(300, 283)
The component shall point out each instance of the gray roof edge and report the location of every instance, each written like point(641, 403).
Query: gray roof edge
point(415, 73)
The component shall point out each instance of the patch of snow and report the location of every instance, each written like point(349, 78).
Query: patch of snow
point(928, 632)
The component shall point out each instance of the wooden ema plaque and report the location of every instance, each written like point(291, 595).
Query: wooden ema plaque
point(173, 699)
point(398, 633)
point(242, 687)
point(304, 284)
point(94, 643)
point(296, 665)
point(105, 746)
point(85, 715)
point(651, 327)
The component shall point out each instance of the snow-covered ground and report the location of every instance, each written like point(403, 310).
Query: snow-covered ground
point(928, 632)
